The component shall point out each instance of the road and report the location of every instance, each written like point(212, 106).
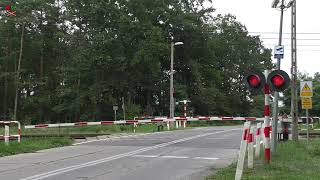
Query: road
point(183, 154)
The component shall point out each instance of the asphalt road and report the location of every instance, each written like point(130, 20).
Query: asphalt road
point(188, 154)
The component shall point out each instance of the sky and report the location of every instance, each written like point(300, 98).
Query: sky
point(260, 19)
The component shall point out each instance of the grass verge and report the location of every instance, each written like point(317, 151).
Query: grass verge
point(294, 161)
point(32, 145)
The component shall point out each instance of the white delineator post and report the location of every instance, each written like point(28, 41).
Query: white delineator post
point(134, 127)
point(6, 134)
point(19, 131)
point(250, 147)
point(258, 140)
point(242, 153)
point(184, 112)
point(267, 154)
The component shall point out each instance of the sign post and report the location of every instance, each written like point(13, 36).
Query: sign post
point(115, 108)
point(306, 94)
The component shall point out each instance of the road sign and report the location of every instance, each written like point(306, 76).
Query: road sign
point(115, 108)
point(306, 102)
point(278, 52)
point(306, 89)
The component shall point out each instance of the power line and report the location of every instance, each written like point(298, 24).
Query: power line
point(303, 39)
point(283, 33)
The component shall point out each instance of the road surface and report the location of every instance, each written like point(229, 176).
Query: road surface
point(184, 154)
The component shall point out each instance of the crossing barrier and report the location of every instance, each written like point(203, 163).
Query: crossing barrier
point(6, 136)
point(145, 121)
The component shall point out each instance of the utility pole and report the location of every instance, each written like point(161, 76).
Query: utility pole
point(124, 109)
point(171, 83)
point(276, 94)
point(294, 93)
point(172, 101)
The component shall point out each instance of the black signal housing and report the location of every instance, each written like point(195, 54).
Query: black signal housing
point(278, 80)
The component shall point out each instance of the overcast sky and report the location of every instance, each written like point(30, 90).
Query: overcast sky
point(261, 19)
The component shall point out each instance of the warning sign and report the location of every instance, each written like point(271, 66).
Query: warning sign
point(306, 103)
point(306, 89)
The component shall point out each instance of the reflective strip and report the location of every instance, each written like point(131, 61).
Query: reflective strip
point(41, 126)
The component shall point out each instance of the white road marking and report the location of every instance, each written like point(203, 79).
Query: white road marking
point(109, 138)
point(206, 158)
point(107, 159)
point(175, 157)
point(146, 156)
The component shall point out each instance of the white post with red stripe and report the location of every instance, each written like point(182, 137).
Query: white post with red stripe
point(258, 140)
point(134, 127)
point(6, 134)
point(250, 147)
point(184, 112)
point(267, 154)
point(243, 148)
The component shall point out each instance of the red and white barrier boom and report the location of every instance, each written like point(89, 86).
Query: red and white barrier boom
point(148, 121)
point(6, 136)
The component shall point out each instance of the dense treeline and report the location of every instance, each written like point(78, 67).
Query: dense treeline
point(80, 57)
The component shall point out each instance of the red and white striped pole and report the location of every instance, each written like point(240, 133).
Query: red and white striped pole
point(243, 149)
point(184, 112)
point(250, 147)
point(267, 119)
point(258, 139)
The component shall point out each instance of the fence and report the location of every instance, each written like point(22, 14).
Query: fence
point(6, 136)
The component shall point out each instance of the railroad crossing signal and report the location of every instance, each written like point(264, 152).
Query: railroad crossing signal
point(254, 80)
point(278, 80)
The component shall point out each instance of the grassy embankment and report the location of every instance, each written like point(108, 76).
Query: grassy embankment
point(32, 145)
point(294, 161)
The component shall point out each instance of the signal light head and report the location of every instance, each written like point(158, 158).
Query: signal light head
point(278, 80)
point(254, 80)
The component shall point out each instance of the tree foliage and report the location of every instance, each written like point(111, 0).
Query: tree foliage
point(81, 57)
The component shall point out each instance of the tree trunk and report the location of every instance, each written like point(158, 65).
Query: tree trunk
point(18, 74)
point(5, 98)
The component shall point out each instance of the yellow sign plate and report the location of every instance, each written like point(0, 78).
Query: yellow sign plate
point(306, 89)
point(306, 103)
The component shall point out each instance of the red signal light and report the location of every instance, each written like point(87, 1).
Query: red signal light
point(254, 80)
point(8, 8)
point(277, 81)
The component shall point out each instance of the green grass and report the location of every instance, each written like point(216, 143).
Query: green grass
point(293, 161)
point(32, 145)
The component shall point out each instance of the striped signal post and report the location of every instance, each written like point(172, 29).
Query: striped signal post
point(184, 111)
point(267, 120)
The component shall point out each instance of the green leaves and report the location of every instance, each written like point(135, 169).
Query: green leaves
point(81, 57)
